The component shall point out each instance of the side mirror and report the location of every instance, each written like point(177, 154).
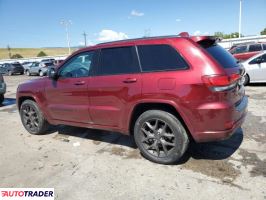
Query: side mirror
point(52, 73)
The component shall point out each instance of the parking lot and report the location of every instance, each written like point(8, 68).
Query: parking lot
point(92, 164)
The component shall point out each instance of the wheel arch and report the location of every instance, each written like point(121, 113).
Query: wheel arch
point(144, 106)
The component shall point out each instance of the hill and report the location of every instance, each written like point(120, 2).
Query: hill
point(32, 52)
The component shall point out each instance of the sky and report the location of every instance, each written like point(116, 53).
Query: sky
point(36, 23)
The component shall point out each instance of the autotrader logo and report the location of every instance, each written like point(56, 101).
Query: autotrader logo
point(27, 193)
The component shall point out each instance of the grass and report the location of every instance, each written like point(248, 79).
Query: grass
point(32, 52)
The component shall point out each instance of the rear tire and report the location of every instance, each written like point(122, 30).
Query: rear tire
point(32, 118)
point(160, 136)
point(2, 98)
point(246, 80)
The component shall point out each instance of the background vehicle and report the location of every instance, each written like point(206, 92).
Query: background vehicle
point(12, 68)
point(2, 89)
point(149, 87)
point(48, 60)
point(36, 68)
point(26, 64)
point(44, 70)
point(243, 52)
point(255, 69)
point(57, 62)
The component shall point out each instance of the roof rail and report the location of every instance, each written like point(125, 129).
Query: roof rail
point(144, 38)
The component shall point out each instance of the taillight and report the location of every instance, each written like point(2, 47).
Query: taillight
point(221, 82)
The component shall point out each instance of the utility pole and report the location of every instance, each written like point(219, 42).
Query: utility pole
point(9, 51)
point(240, 19)
point(66, 24)
point(85, 38)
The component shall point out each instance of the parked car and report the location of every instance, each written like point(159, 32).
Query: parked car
point(26, 64)
point(12, 68)
point(243, 52)
point(166, 91)
point(58, 61)
point(255, 69)
point(2, 89)
point(44, 70)
point(36, 68)
point(48, 60)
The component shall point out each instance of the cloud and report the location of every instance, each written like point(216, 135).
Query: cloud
point(110, 35)
point(197, 32)
point(200, 33)
point(81, 43)
point(136, 13)
point(178, 20)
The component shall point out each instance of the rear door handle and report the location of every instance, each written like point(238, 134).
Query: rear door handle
point(80, 83)
point(130, 80)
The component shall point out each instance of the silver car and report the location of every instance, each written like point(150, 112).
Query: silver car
point(36, 68)
point(255, 69)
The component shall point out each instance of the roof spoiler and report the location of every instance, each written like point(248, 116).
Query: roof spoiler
point(204, 39)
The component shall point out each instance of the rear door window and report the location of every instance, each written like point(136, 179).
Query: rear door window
point(223, 57)
point(119, 60)
point(264, 46)
point(160, 58)
point(254, 47)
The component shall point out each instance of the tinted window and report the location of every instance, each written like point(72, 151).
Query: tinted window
point(255, 47)
point(78, 66)
point(264, 46)
point(159, 58)
point(240, 49)
point(122, 60)
point(223, 57)
point(263, 59)
point(258, 60)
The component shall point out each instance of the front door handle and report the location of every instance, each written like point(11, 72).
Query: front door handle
point(80, 83)
point(130, 80)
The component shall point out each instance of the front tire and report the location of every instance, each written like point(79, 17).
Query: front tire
point(160, 136)
point(41, 73)
point(32, 118)
point(2, 98)
point(9, 73)
point(28, 73)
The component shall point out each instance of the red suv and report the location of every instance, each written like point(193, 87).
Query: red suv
point(165, 91)
point(243, 52)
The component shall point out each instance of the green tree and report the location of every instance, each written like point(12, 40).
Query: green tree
point(227, 36)
point(41, 54)
point(263, 32)
point(219, 34)
point(15, 56)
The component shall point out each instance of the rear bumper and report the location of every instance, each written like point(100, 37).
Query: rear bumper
point(209, 136)
point(219, 135)
point(2, 88)
point(20, 70)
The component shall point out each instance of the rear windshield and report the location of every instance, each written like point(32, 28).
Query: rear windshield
point(223, 57)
